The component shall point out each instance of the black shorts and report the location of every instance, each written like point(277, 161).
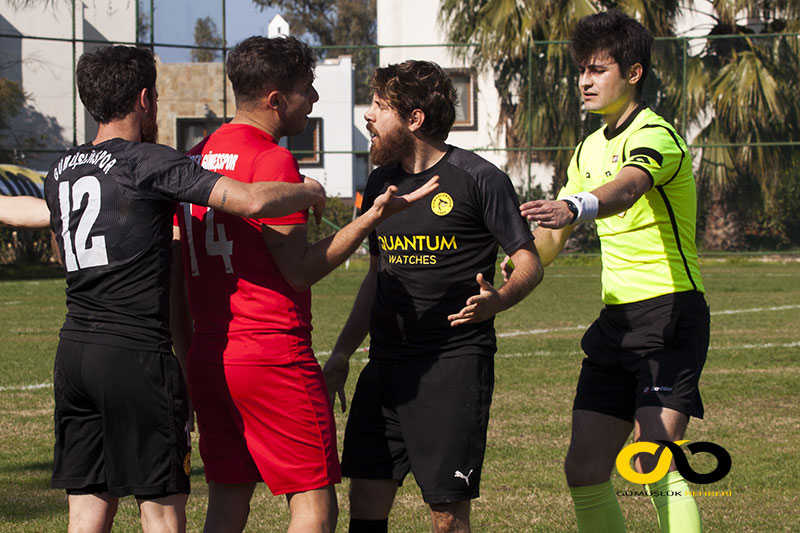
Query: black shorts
point(121, 422)
point(428, 416)
point(647, 353)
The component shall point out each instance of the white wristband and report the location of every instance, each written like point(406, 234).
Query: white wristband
point(587, 205)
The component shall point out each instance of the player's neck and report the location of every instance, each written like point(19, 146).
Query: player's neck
point(257, 120)
point(615, 119)
point(426, 154)
point(128, 128)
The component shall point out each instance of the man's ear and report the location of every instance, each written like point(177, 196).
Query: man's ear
point(144, 100)
point(274, 100)
point(635, 74)
point(416, 120)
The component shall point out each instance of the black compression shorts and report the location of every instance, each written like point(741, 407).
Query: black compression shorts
point(121, 422)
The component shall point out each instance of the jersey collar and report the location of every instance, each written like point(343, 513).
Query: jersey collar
point(610, 134)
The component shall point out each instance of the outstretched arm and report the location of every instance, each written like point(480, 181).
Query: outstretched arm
point(24, 212)
point(352, 335)
point(266, 199)
point(302, 264)
point(489, 301)
point(613, 197)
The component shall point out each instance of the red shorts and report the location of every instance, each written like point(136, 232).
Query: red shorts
point(271, 423)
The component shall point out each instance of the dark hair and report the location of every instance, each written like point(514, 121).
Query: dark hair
point(419, 85)
point(111, 78)
point(258, 64)
point(625, 40)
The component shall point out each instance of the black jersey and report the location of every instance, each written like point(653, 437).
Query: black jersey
point(111, 210)
point(431, 252)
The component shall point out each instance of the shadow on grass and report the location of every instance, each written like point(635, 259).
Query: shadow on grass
point(26, 494)
point(41, 466)
point(30, 271)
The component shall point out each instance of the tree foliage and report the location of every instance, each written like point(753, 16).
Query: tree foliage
point(12, 100)
point(351, 24)
point(206, 34)
point(749, 86)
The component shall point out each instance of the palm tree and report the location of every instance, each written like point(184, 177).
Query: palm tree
point(751, 83)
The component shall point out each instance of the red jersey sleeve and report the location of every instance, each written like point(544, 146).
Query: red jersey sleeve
point(279, 165)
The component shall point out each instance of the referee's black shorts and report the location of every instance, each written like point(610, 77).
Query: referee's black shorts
point(121, 422)
point(428, 416)
point(647, 353)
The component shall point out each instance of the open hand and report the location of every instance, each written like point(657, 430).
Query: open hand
point(387, 204)
point(552, 214)
point(335, 372)
point(480, 307)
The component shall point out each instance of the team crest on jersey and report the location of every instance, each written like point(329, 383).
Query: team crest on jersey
point(442, 204)
point(187, 463)
point(614, 158)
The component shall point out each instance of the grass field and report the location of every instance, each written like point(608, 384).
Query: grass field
point(750, 388)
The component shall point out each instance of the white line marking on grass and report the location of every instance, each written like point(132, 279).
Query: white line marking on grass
point(757, 346)
point(755, 310)
point(538, 331)
point(26, 387)
point(11, 303)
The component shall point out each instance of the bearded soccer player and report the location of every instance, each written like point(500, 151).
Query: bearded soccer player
point(645, 352)
point(121, 417)
point(262, 406)
point(422, 402)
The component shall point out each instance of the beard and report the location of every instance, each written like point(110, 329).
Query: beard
point(149, 130)
point(391, 147)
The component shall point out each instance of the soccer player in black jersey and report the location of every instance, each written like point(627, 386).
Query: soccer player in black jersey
point(422, 402)
point(121, 417)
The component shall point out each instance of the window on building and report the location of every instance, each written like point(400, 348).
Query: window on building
point(464, 83)
point(307, 146)
point(193, 130)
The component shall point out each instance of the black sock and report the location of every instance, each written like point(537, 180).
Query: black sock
point(357, 525)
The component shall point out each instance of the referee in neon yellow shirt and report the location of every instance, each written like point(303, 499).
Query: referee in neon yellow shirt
point(645, 352)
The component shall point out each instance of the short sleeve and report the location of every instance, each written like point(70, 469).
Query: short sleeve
point(655, 150)
point(167, 173)
point(279, 165)
point(501, 212)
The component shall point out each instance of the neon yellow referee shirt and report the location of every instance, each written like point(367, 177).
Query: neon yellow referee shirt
point(648, 250)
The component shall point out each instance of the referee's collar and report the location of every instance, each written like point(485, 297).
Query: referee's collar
point(610, 134)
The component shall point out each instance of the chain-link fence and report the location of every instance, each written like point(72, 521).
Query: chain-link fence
point(732, 98)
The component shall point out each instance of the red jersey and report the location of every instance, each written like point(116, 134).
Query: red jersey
point(244, 310)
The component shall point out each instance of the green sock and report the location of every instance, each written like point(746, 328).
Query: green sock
point(677, 510)
point(597, 509)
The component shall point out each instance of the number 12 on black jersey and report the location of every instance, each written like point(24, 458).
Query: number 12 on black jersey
point(82, 256)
